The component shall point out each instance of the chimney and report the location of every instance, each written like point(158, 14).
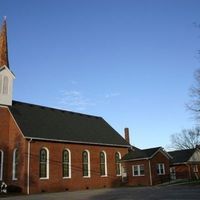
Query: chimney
point(126, 135)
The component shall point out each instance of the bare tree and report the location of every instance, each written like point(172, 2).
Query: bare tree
point(194, 104)
point(187, 139)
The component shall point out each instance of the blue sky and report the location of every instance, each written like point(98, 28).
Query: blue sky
point(131, 62)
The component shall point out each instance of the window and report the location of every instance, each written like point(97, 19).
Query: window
point(66, 164)
point(15, 164)
point(195, 168)
point(86, 163)
point(44, 163)
point(117, 163)
point(1, 165)
point(5, 85)
point(138, 170)
point(103, 164)
point(160, 169)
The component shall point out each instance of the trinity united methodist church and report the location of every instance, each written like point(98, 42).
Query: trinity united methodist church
point(45, 149)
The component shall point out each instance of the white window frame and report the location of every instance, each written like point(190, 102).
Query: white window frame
point(1, 166)
point(120, 165)
point(159, 168)
point(14, 173)
point(89, 171)
point(106, 168)
point(47, 167)
point(70, 173)
point(138, 169)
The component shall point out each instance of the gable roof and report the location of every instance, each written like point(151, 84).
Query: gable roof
point(181, 156)
point(138, 154)
point(39, 122)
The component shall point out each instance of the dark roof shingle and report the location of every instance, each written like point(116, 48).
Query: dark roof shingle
point(181, 156)
point(54, 124)
point(140, 154)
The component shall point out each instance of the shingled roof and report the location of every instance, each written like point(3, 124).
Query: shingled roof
point(181, 156)
point(138, 154)
point(44, 123)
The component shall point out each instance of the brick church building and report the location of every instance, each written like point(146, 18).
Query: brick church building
point(45, 149)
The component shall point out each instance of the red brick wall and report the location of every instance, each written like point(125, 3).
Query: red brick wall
point(11, 138)
point(159, 158)
point(77, 181)
point(137, 180)
point(145, 180)
point(185, 171)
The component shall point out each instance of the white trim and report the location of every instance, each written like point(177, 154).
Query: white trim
point(70, 174)
point(77, 142)
point(16, 123)
point(159, 168)
point(1, 166)
point(28, 167)
point(161, 150)
point(150, 175)
point(106, 167)
point(47, 167)
point(14, 165)
point(89, 172)
point(138, 169)
point(120, 165)
point(6, 68)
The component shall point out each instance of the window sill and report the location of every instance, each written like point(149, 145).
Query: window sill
point(47, 178)
point(104, 176)
point(86, 177)
point(67, 177)
point(138, 175)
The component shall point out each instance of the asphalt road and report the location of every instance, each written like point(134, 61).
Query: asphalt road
point(128, 193)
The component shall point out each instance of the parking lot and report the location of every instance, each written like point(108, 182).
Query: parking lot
point(126, 193)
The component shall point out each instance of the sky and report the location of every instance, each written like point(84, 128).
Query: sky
point(131, 62)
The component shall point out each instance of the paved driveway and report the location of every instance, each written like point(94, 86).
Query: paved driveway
point(139, 193)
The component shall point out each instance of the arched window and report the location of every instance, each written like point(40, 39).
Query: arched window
point(86, 163)
point(15, 164)
point(103, 164)
point(5, 85)
point(66, 163)
point(117, 163)
point(1, 165)
point(44, 163)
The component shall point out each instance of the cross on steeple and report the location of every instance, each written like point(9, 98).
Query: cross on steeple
point(4, 45)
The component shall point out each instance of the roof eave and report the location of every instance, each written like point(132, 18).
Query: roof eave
point(136, 159)
point(76, 142)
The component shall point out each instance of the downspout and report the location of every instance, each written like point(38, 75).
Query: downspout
point(189, 170)
point(28, 166)
point(150, 175)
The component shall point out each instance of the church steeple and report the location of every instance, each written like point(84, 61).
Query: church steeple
point(4, 45)
point(6, 76)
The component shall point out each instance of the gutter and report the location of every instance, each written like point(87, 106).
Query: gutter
point(77, 142)
point(28, 166)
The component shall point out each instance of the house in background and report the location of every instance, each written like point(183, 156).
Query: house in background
point(146, 167)
point(185, 164)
